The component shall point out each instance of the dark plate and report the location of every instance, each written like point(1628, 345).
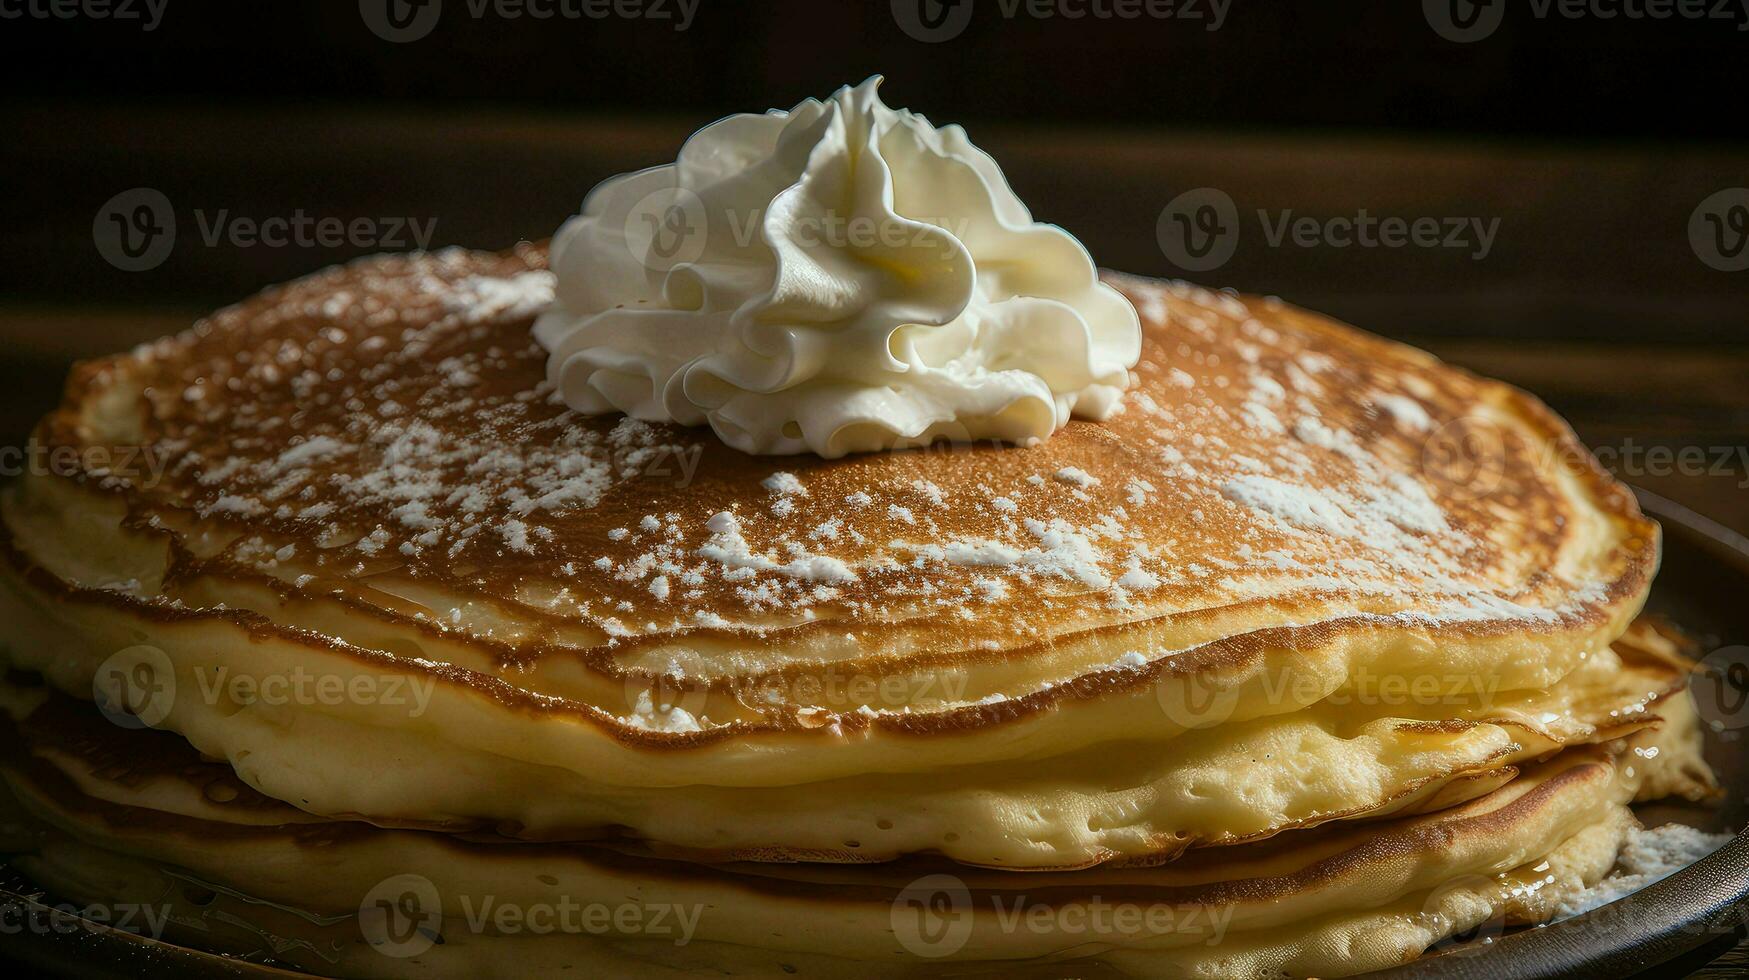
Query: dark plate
point(1679, 924)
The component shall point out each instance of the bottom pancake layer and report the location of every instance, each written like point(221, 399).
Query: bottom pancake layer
point(113, 818)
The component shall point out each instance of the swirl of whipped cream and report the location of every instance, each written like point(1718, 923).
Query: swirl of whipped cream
point(840, 278)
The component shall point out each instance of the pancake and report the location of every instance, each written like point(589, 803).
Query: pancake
point(127, 817)
point(1304, 559)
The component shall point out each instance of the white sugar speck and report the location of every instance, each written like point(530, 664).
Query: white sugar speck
point(1077, 476)
point(1405, 410)
point(784, 484)
point(515, 535)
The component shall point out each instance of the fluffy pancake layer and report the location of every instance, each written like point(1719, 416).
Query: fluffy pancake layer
point(1366, 750)
point(130, 817)
point(1304, 559)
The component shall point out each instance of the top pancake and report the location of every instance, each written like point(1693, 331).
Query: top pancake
point(365, 471)
point(391, 419)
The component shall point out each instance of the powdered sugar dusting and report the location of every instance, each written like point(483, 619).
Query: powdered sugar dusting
point(728, 547)
point(1299, 506)
point(403, 422)
point(481, 298)
point(1647, 857)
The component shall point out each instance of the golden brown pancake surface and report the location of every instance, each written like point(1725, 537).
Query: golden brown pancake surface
point(393, 417)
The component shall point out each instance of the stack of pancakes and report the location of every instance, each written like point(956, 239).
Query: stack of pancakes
point(333, 632)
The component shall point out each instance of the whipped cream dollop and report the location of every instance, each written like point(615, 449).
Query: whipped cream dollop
point(843, 277)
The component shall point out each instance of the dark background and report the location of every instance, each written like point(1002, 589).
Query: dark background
point(1592, 141)
point(1358, 65)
